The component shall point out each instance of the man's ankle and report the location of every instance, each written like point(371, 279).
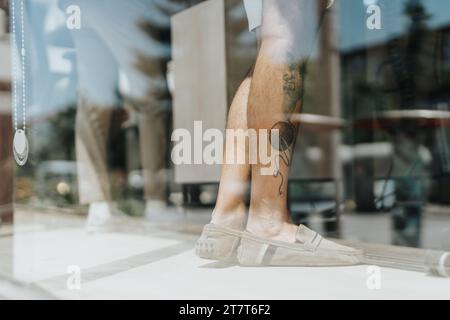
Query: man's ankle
point(232, 216)
point(267, 223)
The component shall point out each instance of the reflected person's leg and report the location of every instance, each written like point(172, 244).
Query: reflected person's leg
point(92, 126)
point(97, 79)
point(141, 46)
point(154, 125)
point(154, 144)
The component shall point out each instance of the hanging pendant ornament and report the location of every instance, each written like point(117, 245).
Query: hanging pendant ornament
point(20, 147)
point(20, 142)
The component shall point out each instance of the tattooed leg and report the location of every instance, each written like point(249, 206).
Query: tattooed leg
point(275, 95)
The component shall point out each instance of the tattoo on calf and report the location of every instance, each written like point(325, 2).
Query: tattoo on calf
point(292, 87)
point(287, 133)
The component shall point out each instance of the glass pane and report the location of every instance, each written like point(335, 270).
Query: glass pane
point(126, 127)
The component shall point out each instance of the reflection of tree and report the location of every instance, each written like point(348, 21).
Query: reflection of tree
point(418, 15)
point(405, 78)
point(414, 61)
point(419, 53)
point(61, 136)
point(154, 64)
point(410, 58)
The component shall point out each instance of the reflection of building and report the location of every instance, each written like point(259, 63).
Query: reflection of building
point(376, 72)
point(406, 72)
point(6, 189)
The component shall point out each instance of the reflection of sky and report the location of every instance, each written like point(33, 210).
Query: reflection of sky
point(353, 31)
point(50, 66)
point(53, 75)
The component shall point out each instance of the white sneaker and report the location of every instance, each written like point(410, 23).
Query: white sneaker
point(102, 216)
point(158, 211)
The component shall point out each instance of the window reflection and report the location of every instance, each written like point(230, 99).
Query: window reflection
point(372, 158)
point(105, 87)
